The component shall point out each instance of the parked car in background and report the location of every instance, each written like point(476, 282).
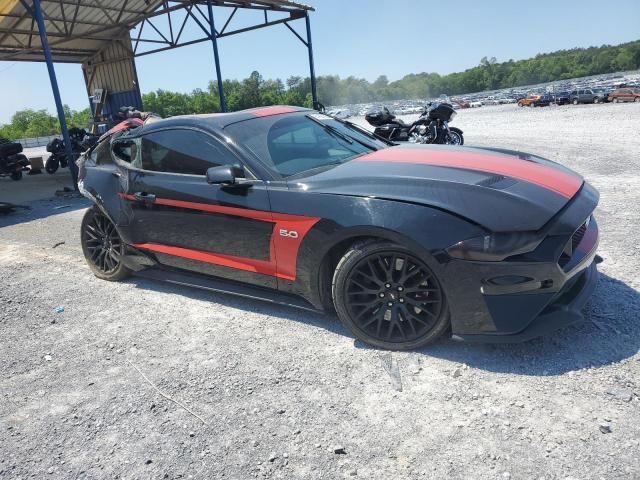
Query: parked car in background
point(528, 101)
point(476, 104)
point(585, 96)
point(543, 101)
point(338, 113)
point(562, 98)
point(625, 95)
point(462, 103)
point(604, 94)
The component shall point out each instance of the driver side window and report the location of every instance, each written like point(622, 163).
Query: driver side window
point(186, 152)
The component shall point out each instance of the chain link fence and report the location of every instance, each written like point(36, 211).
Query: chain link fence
point(36, 141)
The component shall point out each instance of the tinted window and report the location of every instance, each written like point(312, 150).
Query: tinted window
point(295, 143)
point(183, 151)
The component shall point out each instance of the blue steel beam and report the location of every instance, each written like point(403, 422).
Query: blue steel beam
point(214, 42)
point(37, 14)
point(312, 70)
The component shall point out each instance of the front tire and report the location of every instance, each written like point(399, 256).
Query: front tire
point(389, 298)
point(16, 176)
point(102, 246)
point(575, 101)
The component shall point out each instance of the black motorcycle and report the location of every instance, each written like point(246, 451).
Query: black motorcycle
point(12, 161)
point(80, 142)
point(431, 127)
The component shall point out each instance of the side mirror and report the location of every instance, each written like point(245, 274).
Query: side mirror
point(224, 175)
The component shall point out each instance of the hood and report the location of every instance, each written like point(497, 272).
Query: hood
point(502, 190)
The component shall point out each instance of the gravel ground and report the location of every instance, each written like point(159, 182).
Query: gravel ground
point(146, 380)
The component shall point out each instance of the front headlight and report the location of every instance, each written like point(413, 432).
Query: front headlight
point(495, 247)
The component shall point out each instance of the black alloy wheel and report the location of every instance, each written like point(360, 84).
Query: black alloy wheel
point(389, 298)
point(102, 246)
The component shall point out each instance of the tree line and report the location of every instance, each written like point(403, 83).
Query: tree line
point(40, 123)
point(256, 91)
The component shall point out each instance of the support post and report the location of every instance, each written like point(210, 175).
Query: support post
point(73, 168)
point(214, 42)
point(140, 106)
point(312, 71)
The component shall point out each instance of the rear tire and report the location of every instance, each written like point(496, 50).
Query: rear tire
point(102, 246)
point(389, 298)
point(637, 99)
point(51, 165)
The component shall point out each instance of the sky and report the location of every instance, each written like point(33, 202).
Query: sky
point(364, 38)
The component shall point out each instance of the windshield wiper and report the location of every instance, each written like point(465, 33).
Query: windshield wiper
point(332, 130)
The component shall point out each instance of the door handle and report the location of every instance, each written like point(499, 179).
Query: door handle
point(144, 197)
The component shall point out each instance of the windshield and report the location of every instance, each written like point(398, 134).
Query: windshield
point(303, 142)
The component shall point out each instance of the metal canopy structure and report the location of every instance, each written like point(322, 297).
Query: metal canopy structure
point(97, 34)
point(78, 29)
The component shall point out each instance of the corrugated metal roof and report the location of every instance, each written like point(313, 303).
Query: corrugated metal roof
point(77, 29)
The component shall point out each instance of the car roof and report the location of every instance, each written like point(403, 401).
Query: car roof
point(217, 121)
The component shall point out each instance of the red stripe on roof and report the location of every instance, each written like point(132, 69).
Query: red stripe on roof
point(556, 180)
point(275, 110)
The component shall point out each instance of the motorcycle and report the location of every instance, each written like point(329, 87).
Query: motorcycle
point(431, 127)
point(80, 142)
point(12, 161)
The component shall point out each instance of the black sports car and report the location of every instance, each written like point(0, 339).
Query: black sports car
point(290, 205)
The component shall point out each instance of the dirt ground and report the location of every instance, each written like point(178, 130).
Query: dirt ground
point(144, 380)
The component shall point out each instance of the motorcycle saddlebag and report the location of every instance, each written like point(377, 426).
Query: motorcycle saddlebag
point(378, 116)
point(10, 148)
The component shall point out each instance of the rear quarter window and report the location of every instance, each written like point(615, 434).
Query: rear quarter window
point(101, 155)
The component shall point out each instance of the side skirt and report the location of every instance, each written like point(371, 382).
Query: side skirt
point(219, 285)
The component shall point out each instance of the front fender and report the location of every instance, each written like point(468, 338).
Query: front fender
point(426, 231)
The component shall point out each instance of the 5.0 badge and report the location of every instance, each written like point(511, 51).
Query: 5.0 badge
point(288, 233)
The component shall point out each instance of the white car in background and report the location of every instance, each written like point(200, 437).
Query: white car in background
point(341, 114)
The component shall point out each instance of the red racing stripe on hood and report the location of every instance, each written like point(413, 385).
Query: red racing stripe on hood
point(553, 179)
